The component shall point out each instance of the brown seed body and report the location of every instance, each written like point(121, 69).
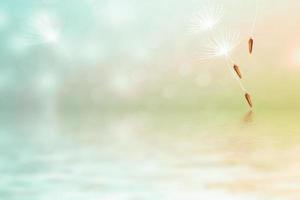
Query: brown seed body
point(250, 45)
point(248, 98)
point(237, 71)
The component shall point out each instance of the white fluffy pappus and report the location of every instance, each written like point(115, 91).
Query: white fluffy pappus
point(206, 18)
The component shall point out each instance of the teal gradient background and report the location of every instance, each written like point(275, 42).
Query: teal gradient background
point(107, 99)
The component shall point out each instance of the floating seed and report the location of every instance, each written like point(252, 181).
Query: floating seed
point(237, 71)
point(250, 45)
point(248, 98)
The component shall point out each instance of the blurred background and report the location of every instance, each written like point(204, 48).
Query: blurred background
point(108, 99)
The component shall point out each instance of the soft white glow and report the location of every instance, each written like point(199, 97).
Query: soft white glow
point(115, 14)
point(223, 50)
point(46, 27)
point(3, 19)
point(42, 28)
point(295, 57)
point(122, 85)
point(206, 19)
point(219, 46)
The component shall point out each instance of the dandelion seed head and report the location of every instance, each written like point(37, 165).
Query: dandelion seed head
point(42, 28)
point(220, 46)
point(223, 49)
point(206, 19)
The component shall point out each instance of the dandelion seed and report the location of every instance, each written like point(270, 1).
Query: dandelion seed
point(220, 46)
point(250, 45)
point(237, 70)
point(42, 28)
point(206, 19)
point(248, 98)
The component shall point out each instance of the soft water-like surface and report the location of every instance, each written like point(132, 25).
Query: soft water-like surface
point(147, 156)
